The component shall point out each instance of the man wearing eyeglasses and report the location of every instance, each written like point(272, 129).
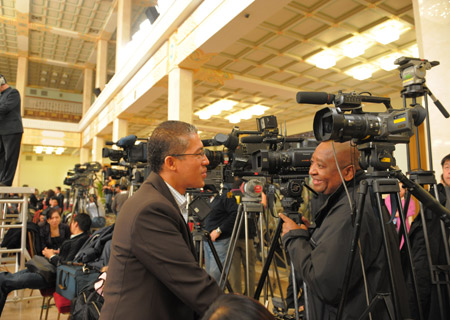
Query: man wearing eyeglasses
point(153, 272)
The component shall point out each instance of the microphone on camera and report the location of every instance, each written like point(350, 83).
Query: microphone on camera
point(252, 139)
point(126, 141)
point(315, 97)
point(261, 139)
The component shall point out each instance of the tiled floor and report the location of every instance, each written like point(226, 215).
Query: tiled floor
point(28, 308)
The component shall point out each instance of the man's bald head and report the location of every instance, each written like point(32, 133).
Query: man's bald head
point(323, 170)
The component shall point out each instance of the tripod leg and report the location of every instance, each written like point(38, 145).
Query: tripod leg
point(217, 260)
point(295, 289)
point(231, 247)
point(268, 260)
point(363, 186)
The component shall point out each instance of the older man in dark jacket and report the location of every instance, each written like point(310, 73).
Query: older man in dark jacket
point(320, 254)
point(153, 272)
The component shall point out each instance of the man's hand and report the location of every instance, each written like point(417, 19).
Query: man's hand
point(214, 235)
point(289, 224)
point(48, 252)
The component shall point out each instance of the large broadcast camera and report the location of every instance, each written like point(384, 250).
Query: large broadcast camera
point(134, 155)
point(131, 152)
point(261, 152)
point(348, 121)
point(81, 174)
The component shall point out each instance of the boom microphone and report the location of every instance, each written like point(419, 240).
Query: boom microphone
point(315, 97)
point(252, 139)
point(126, 141)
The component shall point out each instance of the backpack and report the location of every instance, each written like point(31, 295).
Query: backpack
point(92, 249)
point(88, 304)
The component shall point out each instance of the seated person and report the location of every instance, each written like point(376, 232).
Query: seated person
point(53, 232)
point(22, 279)
point(237, 307)
point(53, 203)
point(96, 212)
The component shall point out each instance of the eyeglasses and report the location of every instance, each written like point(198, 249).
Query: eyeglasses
point(201, 154)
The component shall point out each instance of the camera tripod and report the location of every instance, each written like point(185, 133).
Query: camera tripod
point(247, 207)
point(377, 158)
point(200, 235)
point(292, 191)
point(439, 265)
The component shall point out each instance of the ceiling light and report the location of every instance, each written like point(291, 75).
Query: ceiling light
point(55, 74)
point(387, 62)
point(412, 51)
point(362, 72)
point(356, 46)
point(388, 31)
point(324, 59)
point(38, 149)
point(215, 109)
point(49, 150)
point(248, 113)
point(43, 79)
point(59, 151)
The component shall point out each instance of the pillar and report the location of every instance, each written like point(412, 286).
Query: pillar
point(180, 94)
point(22, 79)
point(97, 146)
point(87, 89)
point(84, 155)
point(434, 44)
point(101, 71)
point(120, 129)
point(123, 32)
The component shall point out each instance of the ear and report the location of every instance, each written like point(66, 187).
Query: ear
point(349, 172)
point(170, 163)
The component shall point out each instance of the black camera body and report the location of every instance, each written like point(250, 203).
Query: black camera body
point(347, 121)
point(131, 152)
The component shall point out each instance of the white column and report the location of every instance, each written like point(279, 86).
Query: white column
point(22, 78)
point(180, 94)
point(97, 146)
point(120, 129)
point(101, 68)
point(87, 89)
point(123, 32)
point(84, 155)
point(434, 44)
point(21, 83)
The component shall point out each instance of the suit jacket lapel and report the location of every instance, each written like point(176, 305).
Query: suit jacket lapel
point(159, 184)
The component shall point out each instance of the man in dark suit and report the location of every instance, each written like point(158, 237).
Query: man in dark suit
point(11, 131)
point(153, 272)
point(119, 198)
point(60, 198)
point(79, 228)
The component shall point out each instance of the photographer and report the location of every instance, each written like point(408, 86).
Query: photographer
point(11, 131)
point(219, 224)
point(320, 254)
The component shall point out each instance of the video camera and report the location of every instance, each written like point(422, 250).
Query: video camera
point(347, 120)
point(131, 152)
point(81, 174)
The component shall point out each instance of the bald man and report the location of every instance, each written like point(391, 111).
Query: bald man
point(319, 253)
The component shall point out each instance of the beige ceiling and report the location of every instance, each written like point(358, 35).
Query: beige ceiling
point(267, 63)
